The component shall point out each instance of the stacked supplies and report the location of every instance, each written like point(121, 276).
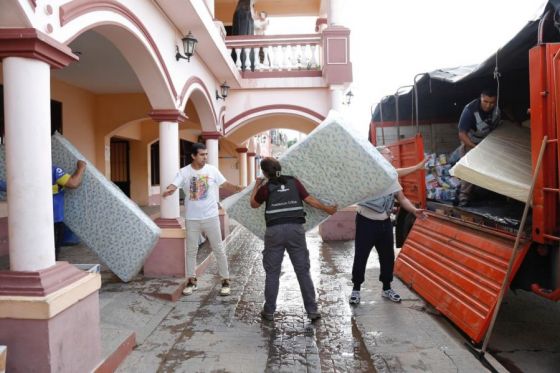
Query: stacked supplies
point(440, 185)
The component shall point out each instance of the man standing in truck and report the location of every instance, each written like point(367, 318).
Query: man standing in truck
point(479, 117)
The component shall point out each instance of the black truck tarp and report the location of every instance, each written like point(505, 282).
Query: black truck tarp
point(443, 93)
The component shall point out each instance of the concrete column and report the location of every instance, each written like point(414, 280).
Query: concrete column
point(28, 162)
point(251, 167)
point(168, 167)
point(335, 14)
point(168, 157)
point(212, 146)
point(212, 139)
point(242, 160)
point(210, 5)
point(337, 97)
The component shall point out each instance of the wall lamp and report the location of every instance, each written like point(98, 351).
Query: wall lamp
point(349, 96)
point(189, 44)
point(224, 89)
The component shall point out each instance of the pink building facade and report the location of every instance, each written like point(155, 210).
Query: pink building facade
point(111, 68)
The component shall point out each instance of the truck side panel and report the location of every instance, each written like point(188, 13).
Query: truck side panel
point(544, 76)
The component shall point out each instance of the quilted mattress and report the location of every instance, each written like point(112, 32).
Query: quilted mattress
point(103, 217)
point(334, 165)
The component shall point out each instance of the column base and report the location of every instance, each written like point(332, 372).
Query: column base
point(339, 227)
point(56, 332)
point(168, 258)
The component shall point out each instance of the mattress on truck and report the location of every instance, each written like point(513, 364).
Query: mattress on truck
point(102, 216)
point(334, 165)
point(500, 163)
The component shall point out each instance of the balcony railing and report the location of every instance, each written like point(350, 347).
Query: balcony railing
point(276, 53)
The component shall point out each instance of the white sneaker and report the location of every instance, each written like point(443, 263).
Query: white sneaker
point(191, 286)
point(225, 290)
point(355, 297)
point(392, 295)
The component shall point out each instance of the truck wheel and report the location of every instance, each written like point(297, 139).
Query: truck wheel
point(404, 223)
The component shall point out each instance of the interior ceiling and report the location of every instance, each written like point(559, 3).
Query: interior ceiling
point(101, 68)
point(275, 8)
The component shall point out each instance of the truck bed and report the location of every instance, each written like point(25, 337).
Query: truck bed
point(498, 212)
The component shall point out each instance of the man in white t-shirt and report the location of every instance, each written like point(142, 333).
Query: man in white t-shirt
point(201, 182)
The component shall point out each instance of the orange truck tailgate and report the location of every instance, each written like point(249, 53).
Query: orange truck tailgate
point(458, 269)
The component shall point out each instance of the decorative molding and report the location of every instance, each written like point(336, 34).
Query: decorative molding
point(31, 43)
point(47, 307)
point(39, 283)
point(171, 228)
point(241, 150)
point(215, 135)
point(169, 115)
point(302, 109)
point(77, 8)
point(193, 80)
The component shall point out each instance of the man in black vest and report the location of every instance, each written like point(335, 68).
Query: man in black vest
point(284, 215)
point(374, 228)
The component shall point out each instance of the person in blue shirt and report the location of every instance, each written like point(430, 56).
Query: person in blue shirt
point(61, 181)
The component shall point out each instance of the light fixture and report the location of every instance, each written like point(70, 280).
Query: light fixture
point(189, 44)
point(224, 89)
point(349, 96)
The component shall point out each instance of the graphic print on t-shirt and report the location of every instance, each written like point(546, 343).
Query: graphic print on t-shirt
point(199, 186)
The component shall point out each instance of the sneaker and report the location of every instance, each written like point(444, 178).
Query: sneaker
point(314, 316)
point(267, 316)
point(225, 290)
point(191, 286)
point(392, 295)
point(355, 297)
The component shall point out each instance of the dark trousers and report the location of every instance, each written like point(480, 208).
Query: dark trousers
point(277, 240)
point(58, 237)
point(370, 233)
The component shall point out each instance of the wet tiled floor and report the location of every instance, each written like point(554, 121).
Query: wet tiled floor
point(208, 333)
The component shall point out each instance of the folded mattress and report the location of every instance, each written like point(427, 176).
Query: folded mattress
point(334, 165)
point(102, 216)
point(500, 163)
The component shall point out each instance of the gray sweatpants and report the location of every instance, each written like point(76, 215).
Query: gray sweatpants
point(278, 239)
point(211, 228)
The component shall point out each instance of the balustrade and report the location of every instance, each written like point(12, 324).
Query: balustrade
point(276, 52)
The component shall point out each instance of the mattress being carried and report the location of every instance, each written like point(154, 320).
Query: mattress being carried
point(102, 216)
point(334, 165)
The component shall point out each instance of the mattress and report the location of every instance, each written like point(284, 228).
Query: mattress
point(500, 163)
point(102, 216)
point(335, 166)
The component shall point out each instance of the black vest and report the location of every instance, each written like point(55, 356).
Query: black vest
point(284, 205)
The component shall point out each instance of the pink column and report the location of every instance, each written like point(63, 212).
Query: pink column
point(242, 160)
point(168, 157)
point(43, 333)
